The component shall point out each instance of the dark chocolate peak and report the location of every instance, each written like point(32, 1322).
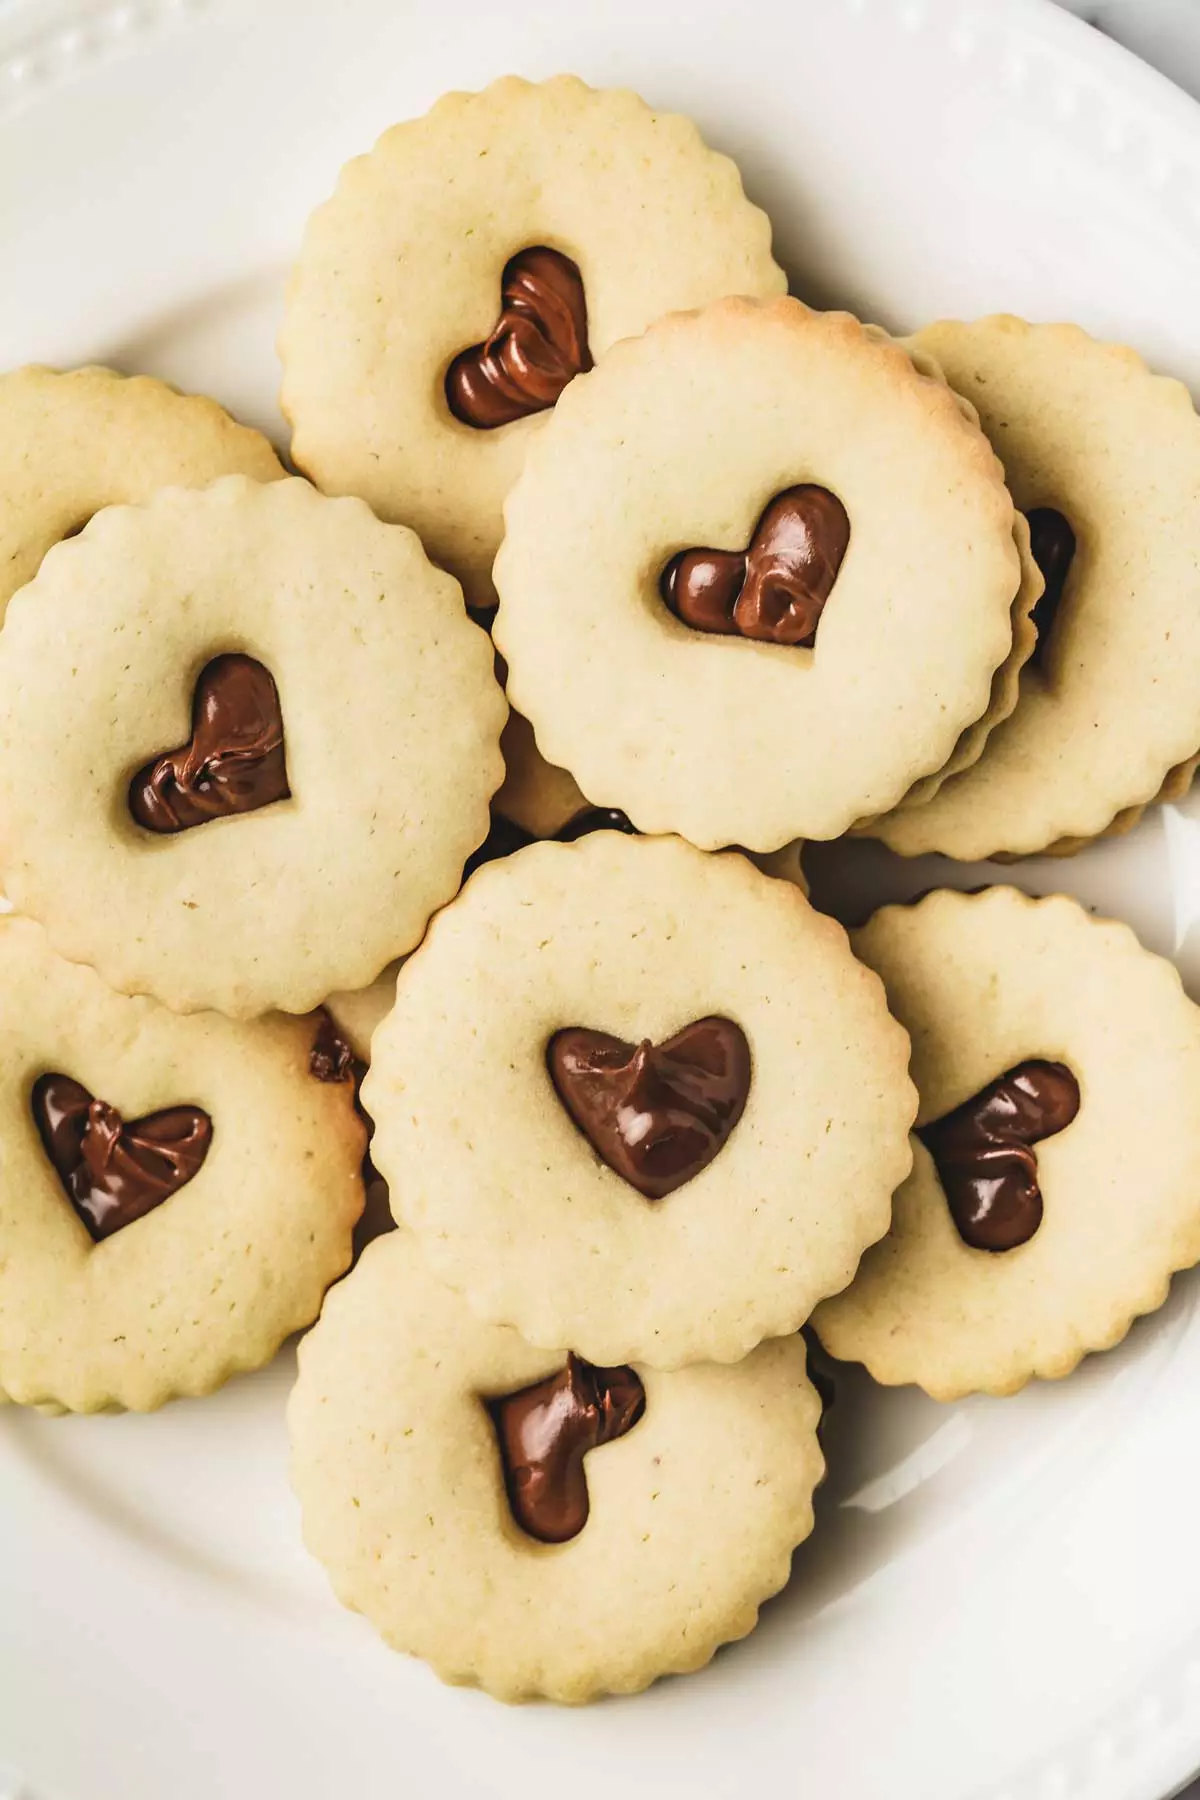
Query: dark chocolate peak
point(232, 763)
point(655, 1113)
point(984, 1152)
point(538, 344)
point(113, 1173)
point(776, 589)
point(544, 1433)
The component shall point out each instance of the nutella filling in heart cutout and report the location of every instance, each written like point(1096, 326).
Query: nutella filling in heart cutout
point(774, 591)
point(1052, 544)
point(233, 761)
point(537, 345)
point(984, 1154)
point(655, 1113)
point(544, 1433)
point(113, 1173)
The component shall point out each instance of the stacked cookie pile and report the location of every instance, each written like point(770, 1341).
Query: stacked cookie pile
point(752, 575)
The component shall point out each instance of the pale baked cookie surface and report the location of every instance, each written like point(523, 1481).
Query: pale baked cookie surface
point(523, 1209)
point(677, 451)
point(1006, 681)
point(74, 442)
point(357, 1013)
point(403, 269)
point(386, 722)
point(223, 1264)
point(986, 985)
point(1110, 705)
point(692, 1514)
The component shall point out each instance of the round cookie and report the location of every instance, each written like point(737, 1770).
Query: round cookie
point(411, 264)
point(345, 730)
point(145, 1252)
point(691, 1513)
point(1056, 1177)
point(72, 443)
point(633, 1223)
point(787, 616)
point(1109, 709)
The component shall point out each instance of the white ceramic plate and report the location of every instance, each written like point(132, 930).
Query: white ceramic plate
point(1001, 1598)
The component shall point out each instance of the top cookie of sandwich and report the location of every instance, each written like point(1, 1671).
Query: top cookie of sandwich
point(469, 266)
point(251, 736)
point(786, 561)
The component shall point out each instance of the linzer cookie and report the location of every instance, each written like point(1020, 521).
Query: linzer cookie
point(1104, 458)
point(758, 576)
point(176, 1195)
point(251, 738)
point(73, 443)
point(1055, 1186)
point(470, 267)
point(639, 1100)
point(527, 1521)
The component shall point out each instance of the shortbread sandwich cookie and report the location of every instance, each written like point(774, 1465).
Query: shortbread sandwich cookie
point(1055, 1186)
point(251, 736)
point(1104, 458)
point(176, 1193)
point(639, 1100)
point(74, 442)
point(758, 576)
point(470, 266)
point(529, 1522)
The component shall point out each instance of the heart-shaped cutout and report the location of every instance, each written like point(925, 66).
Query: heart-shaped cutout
point(984, 1152)
point(113, 1173)
point(544, 1433)
point(774, 591)
point(1052, 544)
point(537, 345)
point(232, 763)
point(655, 1113)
